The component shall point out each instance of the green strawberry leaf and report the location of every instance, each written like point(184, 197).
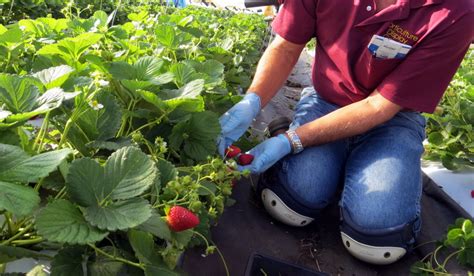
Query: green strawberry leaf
point(19, 94)
point(467, 227)
point(455, 238)
point(70, 49)
point(17, 166)
point(11, 36)
point(68, 262)
point(146, 68)
point(96, 125)
point(144, 246)
point(197, 135)
point(190, 91)
point(183, 73)
point(11, 253)
point(61, 221)
point(159, 270)
point(104, 266)
point(157, 226)
point(50, 100)
point(54, 76)
point(167, 170)
point(9, 137)
point(183, 237)
point(119, 215)
point(128, 173)
point(166, 35)
point(18, 199)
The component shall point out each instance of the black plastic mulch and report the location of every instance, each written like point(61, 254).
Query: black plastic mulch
point(245, 228)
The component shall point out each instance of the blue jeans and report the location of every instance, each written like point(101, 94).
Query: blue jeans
point(378, 171)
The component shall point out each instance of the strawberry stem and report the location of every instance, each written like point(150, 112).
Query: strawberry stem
point(218, 251)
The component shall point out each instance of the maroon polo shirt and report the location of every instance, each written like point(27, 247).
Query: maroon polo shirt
point(344, 71)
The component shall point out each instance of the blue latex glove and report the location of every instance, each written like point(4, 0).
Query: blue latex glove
point(267, 153)
point(237, 120)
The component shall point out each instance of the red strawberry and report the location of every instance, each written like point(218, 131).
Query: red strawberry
point(232, 151)
point(180, 219)
point(472, 193)
point(245, 159)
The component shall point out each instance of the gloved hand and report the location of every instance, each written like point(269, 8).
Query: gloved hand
point(237, 120)
point(267, 153)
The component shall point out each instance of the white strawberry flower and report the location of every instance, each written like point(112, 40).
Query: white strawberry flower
point(96, 105)
point(103, 83)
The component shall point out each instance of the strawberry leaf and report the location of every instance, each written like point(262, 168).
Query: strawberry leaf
point(18, 199)
point(61, 221)
point(54, 76)
point(68, 262)
point(128, 173)
point(197, 135)
point(17, 166)
point(119, 215)
point(156, 226)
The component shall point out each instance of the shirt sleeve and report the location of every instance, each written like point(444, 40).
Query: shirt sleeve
point(419, 82)
point(296, 21)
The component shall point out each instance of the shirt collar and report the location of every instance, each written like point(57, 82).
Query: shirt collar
point(421, 3)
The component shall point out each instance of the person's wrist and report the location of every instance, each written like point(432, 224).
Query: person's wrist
point(289, 141)
point(286, 143)
point(255, 102)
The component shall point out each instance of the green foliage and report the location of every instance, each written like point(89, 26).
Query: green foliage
point(62, 222)
point(68, 262)
point(134, 134)
point(459, 243)
point(450, 129)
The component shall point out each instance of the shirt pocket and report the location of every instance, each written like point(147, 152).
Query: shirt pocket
point(370, 71)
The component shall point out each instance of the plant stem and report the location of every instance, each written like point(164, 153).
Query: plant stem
point(435, 254)
point(218, 251)
point(65, 132)
point(432, 271)
point(42, 133)
point(157, 121)
point(9, 56)
point(450, 256)
point(98, 250)
point(17, 235)
point(61, 193)
point(27, 242)
point(423, 244)
point(11, 226)
point(39, 183)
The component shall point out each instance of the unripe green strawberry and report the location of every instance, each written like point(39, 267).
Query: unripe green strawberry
point(180, 219)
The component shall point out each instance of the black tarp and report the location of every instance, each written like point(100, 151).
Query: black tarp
point(245, 228)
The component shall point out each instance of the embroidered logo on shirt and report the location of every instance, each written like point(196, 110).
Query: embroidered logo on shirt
point(400, 34)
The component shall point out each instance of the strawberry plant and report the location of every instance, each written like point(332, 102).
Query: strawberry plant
point(450, 128)
point(458, 243)
point(129, 121)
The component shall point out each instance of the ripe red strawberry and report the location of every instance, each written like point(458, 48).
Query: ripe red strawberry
point(245, 159)
point(232, 151)
point(472, 193)
point(180, 219)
